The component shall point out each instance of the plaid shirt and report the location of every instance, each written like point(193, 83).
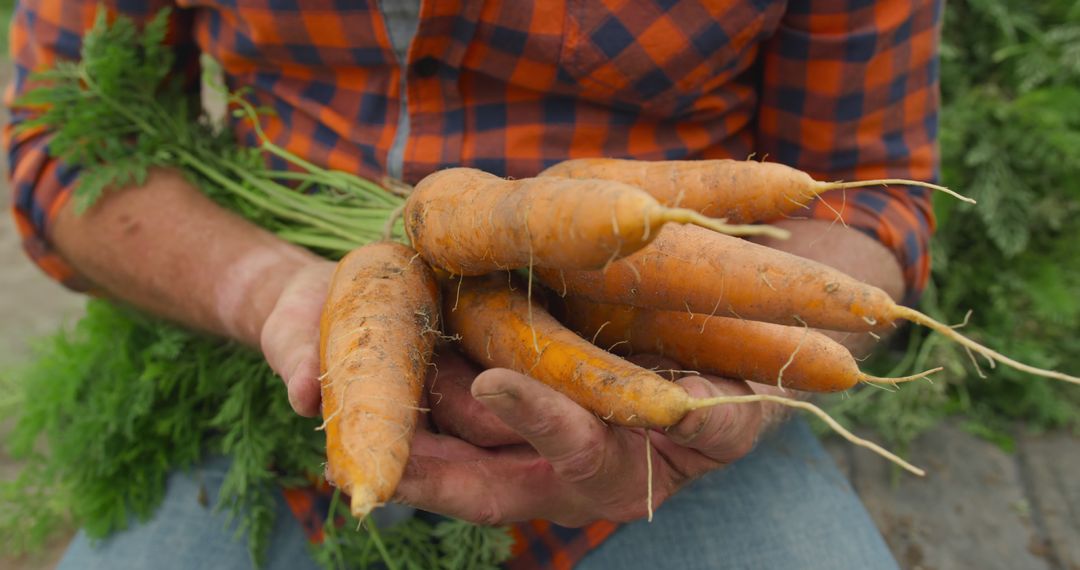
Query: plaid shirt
point(843, 89)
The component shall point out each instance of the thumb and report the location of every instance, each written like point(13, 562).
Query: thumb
point(290, 339)
point(573, 440)
point(724, 432)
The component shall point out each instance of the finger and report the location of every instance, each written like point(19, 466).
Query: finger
point(448, 447)
point(304, 388)
point(456, 412)
point(290, 343)
point(498, 490)
point(290, 339)
point(724, 432)
point(573, 440)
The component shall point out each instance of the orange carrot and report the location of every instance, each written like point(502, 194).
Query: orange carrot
point(500, 327)
point(740, 191)
point(791, 357)
point(378, 330)
point(470, 222)
point(686, 269)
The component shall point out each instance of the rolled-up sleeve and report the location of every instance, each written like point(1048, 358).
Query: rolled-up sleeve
point(43, 32)
point(850, 92)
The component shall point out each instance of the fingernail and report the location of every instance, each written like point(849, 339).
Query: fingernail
point(502, 402)
point(498, 394)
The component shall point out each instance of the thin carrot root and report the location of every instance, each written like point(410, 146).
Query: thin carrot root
point(648, 474)
point(687, 216)
point(879, 380)
point(950, 333)
point(826, 186)
point(697, 404)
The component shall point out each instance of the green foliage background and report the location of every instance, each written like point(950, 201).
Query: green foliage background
point(1010, 138)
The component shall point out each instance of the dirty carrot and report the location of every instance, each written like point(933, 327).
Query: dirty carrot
point(685, 269)
point(740, 191)
point(791, 357)
point(500, 327)
point(470, 222)
point(378, 329)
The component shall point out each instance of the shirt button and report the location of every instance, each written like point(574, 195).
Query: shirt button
point(426, 67)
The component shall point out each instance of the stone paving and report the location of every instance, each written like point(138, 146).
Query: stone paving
point(979, 508)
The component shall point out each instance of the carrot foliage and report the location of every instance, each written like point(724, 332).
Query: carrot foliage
point(121, 400)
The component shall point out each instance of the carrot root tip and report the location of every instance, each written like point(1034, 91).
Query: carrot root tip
point(992, 355)
point(696, 404)
point(879, 380)
point(687, 216)
point(838, 185)
point(363, 502)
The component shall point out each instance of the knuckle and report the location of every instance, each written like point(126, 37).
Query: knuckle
point(586, 462)
point(636, 507)
point(732, 435)
point(742, 446)
point(540, 425)
point(489, 514)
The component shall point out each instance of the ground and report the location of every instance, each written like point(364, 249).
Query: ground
point(978, 507)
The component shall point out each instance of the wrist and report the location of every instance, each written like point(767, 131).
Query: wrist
point(251, 286)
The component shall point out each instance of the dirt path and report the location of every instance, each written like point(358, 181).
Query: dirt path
point(31, 306)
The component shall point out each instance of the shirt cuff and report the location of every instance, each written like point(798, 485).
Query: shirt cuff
point(41, 186)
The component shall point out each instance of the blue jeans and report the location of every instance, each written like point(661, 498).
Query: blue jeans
point(783, 506)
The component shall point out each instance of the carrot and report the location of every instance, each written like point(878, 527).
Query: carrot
point(791, 357)
point(740, 191)
point(470, 222)
point(687, 269)
point(500, 327)
point(378, 330)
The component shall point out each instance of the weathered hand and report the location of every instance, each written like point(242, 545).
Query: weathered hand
point(575, 469)
point(290, 335)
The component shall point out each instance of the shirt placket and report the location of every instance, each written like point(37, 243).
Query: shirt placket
point(435, 107)
point(402, 18)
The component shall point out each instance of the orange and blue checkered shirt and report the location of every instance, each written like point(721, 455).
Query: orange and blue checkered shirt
point(843, 89)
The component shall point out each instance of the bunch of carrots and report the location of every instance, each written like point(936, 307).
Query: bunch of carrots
point(639, 256)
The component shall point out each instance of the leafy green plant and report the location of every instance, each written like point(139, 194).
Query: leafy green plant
point(124, 399)
point(420, 543)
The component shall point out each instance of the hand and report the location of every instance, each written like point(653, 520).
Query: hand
point(575, 469)
point(290, 335)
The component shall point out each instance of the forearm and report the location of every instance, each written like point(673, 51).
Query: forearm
point(166, 248)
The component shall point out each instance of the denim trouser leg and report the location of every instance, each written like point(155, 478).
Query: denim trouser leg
point(186, 535)
point(784, 506)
